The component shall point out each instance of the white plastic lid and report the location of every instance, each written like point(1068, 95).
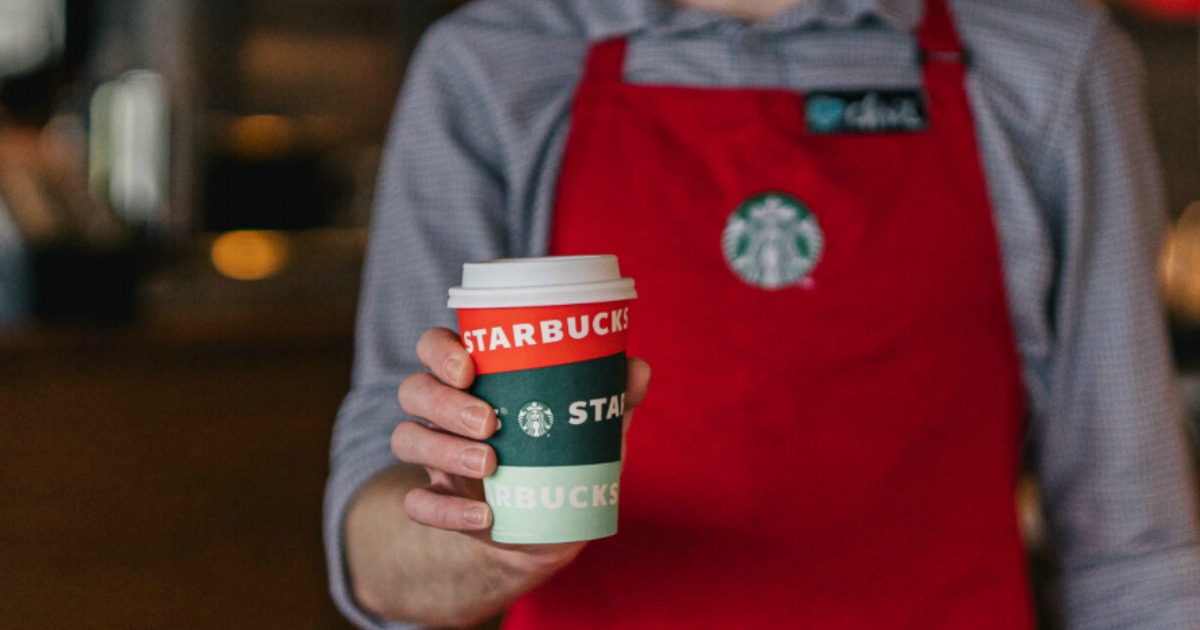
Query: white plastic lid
point(545, 281)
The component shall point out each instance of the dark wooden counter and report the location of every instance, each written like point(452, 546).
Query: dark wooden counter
point(169, 474)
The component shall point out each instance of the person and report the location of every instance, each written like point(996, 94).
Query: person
point(883, 249)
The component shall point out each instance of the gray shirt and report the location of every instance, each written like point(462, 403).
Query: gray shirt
point(473, 158)
point(14, 271)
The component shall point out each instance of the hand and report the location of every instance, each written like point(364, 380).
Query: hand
point(452, 451)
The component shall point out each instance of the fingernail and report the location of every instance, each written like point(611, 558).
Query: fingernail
point(454, 370)
point(473, 459)
point(475, 418)
point(476, 515)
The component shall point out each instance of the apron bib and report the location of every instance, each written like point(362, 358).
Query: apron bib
point(832, 434)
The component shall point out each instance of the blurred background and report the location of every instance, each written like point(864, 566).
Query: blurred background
point(184, 193)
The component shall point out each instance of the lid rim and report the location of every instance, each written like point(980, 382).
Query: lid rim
point(508, 297)
point(541, 281)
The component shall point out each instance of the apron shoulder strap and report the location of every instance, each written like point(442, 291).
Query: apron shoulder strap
point(606, 60)
point(937, 37)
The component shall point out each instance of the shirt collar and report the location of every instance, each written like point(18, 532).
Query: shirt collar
point(662, 17)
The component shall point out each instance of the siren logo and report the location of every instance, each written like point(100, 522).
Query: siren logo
point(535, 418)
point(772, 241)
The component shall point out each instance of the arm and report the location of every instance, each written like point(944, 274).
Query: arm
point(407, 557)
point(418, 547)
point(439, 203)
point(460, 582)
point(1110, 446)
point(400, 546)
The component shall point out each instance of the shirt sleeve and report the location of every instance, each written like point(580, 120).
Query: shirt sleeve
point(14, 273)
point(438, 204)
point(1110, 448)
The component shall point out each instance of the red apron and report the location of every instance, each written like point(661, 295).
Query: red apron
point(831, 437)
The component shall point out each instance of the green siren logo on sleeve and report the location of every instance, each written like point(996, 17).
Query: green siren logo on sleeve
point(535, 418)
point(772, 241)
point(562, 415)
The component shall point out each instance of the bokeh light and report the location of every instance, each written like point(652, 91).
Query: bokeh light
point(249, 254)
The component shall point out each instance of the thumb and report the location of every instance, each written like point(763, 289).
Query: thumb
point(637, 381)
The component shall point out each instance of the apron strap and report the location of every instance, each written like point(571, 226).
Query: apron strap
point(606, 61)
point(937, 37)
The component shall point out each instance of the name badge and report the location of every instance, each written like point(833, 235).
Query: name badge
point(865, 111)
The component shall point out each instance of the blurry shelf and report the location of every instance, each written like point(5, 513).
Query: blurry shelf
point(186, 303)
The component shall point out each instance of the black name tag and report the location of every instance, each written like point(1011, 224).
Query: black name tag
point(866, 111)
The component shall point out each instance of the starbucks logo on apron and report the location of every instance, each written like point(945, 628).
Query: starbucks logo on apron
point(772, 241)
point(535, 418)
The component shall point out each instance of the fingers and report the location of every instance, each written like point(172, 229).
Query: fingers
point(442, 352)
point(438, 397)
point(424, 396)
point(417, 444)
point(427, 507)
point(637, 381)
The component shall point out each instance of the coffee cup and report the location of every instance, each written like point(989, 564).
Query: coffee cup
point(547, 337)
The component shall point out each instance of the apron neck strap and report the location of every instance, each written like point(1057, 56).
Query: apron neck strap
point(937, 37)
point(606, 60)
